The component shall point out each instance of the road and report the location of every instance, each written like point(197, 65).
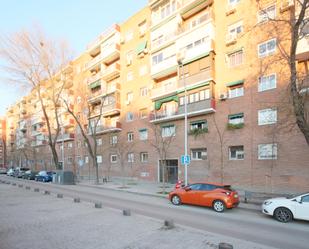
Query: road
point(236, 223)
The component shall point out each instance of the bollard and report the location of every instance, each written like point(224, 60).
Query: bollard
point(20, 185)
point(59, 195)
point(169, 224)
point(46, 192)
point(36, 190)
point(225, 246)
point(27, 187)
point(126, 212)
point(98, 205)
point(76, 200)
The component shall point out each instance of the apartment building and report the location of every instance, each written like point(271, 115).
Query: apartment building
point(218, 63)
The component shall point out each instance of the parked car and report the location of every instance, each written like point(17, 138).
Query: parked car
point(3, 170)
point(286, 209)
point(19, 172)
point(30, 174)
point(214, 195)
point(10, 172)
point(44, 176)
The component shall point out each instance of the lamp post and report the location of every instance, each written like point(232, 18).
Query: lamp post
point(180, 59)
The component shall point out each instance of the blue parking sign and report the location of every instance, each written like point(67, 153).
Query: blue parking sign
point(185, 159)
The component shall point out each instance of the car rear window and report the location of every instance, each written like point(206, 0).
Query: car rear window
point(226, 187)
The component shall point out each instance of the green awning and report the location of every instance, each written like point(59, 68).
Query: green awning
point(141, 47)
point(235, 83)
point(159, 103)
point(196, 58)
point(95, 84)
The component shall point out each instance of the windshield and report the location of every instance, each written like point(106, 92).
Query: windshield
point(292, 196)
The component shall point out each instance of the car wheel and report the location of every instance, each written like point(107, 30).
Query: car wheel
point(176, 200)
point(218, 206)
point(283, 214)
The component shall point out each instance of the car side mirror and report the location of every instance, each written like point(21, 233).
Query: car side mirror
point(298, 199)
point(187, 188)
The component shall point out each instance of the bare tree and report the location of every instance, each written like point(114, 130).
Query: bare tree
point(290, 28)
point(33, 61)
point(161, 143)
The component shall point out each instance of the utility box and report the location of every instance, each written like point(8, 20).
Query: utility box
point(64, 178)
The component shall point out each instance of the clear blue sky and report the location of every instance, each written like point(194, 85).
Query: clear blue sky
point(77, 21)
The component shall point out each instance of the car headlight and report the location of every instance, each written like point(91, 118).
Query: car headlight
point(267, 202)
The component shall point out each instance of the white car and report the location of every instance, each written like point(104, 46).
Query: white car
point(286, 209)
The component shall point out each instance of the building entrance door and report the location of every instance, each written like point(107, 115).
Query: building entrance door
point(170, 170)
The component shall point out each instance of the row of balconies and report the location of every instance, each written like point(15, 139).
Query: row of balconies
point(106, 73)
point(101, 129)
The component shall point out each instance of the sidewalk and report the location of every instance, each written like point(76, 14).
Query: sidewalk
point(156, 190)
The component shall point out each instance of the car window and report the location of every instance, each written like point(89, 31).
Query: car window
point(305, 198)
point(195, 186)
point(208, 187)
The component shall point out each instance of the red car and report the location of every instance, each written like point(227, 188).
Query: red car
point(217, 196)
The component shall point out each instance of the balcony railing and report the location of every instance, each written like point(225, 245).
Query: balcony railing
point(166, 89)
point(94, 78)
point(106, 128)
point(193, 109)
point(65, 137)
point(107, 110)
point(111, 72)
point(96, 60)
point(164, 68)
point(111, 53)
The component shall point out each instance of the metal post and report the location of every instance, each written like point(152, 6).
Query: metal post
point(62, 134)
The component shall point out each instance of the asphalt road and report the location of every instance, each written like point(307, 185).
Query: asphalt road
point(236, 223)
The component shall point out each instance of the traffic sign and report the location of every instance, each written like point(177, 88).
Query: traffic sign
point(185, 159)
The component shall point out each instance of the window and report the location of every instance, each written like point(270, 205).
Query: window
point(267, 82)
point(168, 131)
point(70, 145)
point(113, 158)
point(143, 113)
point(156, 59)
point(142, 28)
point(236, 91)
point(267, 48)
point(200, 19)
point(130, 136)
point(130, 157)
point(129, 116)
point(129, 97)
point(129, 36)
point(70, 160)
point(99, 159)
point(86, 159)
point(233, 2)
point(199, 154)
point(236, 119)
point(235, 29)
point(129, 76)
point(266, 14)
point(236, 152)
point(143, 70)
point(235, 59)
point(144, 157)
point(143, 134)
point(129, 57)
point(199, 125)
point(144, 91)
point(195, 97)
point(99, 141)
point(113, 139)
point(267, 116)
point(267, 151)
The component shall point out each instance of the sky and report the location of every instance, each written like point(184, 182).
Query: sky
point(77, 21)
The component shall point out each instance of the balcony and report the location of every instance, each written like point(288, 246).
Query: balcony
point(111, 72)
point(110, 53)
point(165, 89)
point(65, 137)
point(164, 68)
point(39, 120)
point(195, 109)
point(107, 110)
point(93, 79)
point(195, 79)
point(191, 7)
point(101, 129)
point(302, 50)
point(68, 122)
point(38, 143)
point(111, 87)
point(93, 62)
point(94, 96)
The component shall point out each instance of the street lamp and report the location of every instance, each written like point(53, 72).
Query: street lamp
point(180, 58)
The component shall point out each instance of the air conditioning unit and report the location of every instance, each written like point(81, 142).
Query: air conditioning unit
point(121, 40)
point(231, 38)
point(128, 102)
point(223, 96)
point(142, 33)
point(129, 62)
point(141, 55)
point(145, 51)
